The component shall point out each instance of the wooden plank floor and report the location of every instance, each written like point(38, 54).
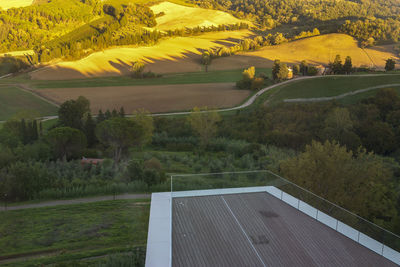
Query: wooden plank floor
point(257, 229)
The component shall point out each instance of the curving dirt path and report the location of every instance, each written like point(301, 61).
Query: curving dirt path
point(329, 98)
point(74, 201)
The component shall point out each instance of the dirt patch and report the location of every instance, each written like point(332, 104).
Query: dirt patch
point(154, 98)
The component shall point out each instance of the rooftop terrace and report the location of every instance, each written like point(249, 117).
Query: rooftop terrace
point(275, 225)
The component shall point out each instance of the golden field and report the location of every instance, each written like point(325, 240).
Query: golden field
point(6, 4)
point(178, 16)
point(154, 98)
point(315, 50)
point(180, 54)
point(18, 53)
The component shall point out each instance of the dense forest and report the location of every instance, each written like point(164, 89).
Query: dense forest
point(329, 16)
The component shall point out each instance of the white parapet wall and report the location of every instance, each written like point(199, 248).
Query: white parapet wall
point(158, 253)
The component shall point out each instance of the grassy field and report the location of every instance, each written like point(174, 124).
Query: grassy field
point(74, 231)
point(176, 78)
point(315, 50)
point(328, 86)
point(173, 55)
point(178, 16)
point(14, 100)
point(155, 98)
point(6, 4)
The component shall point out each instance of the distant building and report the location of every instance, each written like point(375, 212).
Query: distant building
point(321, 70)
point(290, 73)
point(91, 161)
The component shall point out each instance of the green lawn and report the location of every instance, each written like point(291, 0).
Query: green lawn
point(328, 86)
point(80, 230)
point(178, 78)
point(13, 100)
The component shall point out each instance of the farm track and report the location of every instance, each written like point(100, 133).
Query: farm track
point(246, 104)
point(74, 201)
point(322, 99)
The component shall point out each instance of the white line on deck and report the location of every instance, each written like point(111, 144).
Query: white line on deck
point(244, 232)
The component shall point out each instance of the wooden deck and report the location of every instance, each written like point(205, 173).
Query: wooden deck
point(257, 229)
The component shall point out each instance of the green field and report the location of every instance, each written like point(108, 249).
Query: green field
point(13, 100)
point(72, 232)
point(329, 86)
point(178, 78)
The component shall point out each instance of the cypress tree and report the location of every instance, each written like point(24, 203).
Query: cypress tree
point(35, 134)
point(100, 117)
point(122, 112)
point(89, 130)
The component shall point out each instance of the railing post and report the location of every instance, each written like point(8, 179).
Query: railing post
point(170, 245)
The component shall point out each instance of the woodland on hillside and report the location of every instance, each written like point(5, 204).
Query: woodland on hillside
point(370, 18)
point(74, 28)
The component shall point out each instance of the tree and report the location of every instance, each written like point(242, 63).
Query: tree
point(122, 112)
point(72, 112)
point(339, 127)
point(386, 100)
point(304, 68)
point(357, 181)
point(204, 123)
point(66, 142)
point(279, 71)
point(120, 134)
point(100, 117)
point(206, 59)
point(337, 66)
point(390, 64)
point(348, 65)
point(149, 172)
point(137, 69)
point(248, 76)
point(378, 137)
point(143, 118)
point(296, 69)
point(24, 180)
point(89, 130)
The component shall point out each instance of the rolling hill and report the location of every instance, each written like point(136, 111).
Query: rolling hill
point(173, 16)
point(180, 54)
point(315, 50)
point(7, 4)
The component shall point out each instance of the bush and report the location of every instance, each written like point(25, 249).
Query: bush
point(312, 71)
